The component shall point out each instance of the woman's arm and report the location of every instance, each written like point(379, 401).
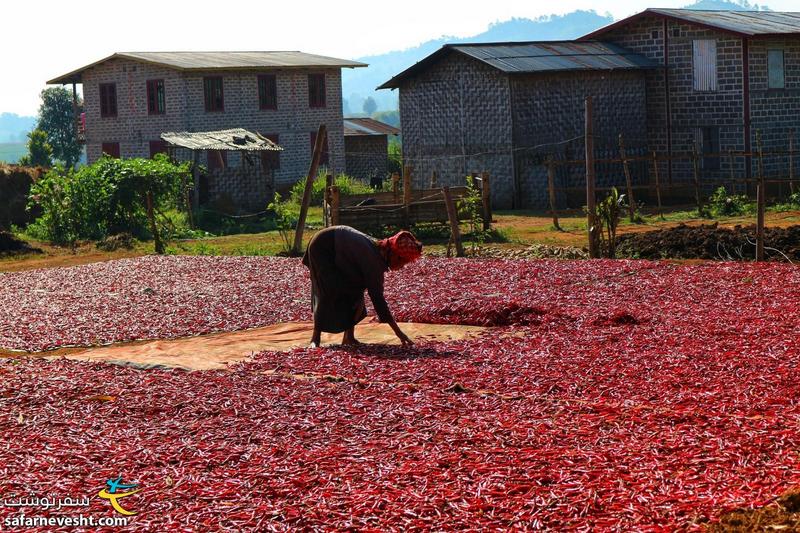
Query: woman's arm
point(385, 315)
point(404, 340)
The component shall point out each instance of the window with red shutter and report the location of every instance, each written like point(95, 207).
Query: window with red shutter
point(323, 160)
point(156, 101)
point(271, 160)
point(267, 92)
point(316, 90)
point(111, 149)
point(216, 159)
point(157, 147)
point(108, 100)
point(213, 93)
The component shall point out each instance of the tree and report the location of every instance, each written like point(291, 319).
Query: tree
point(369, 106)
point(40, 153)
point(57, 120)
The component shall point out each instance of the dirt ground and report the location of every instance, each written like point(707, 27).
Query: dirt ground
point(781, 515)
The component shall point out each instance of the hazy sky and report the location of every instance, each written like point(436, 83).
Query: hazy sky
point(42, 39)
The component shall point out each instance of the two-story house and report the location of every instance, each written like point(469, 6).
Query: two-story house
point(670, 80)
point(722, 76)
point(131, 98)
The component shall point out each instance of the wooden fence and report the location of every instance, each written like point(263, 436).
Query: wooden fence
point(402, 207)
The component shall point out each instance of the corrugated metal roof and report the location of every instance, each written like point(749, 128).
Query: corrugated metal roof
point(191, 61)
point(537, 57)
point(742, 23)
point(236, 139)
point(368, 126)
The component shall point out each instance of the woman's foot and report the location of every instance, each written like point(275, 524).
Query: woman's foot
point(349, 339)
point(316, 339)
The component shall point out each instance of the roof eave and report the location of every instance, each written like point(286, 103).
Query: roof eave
point(657, 13)
point(76, 75)
point(774, 35)
point(394, 83)
point(609, 69)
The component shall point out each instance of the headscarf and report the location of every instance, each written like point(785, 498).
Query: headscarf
point(401, 249)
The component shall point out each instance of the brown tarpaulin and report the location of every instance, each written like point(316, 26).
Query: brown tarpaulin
point(215, 351)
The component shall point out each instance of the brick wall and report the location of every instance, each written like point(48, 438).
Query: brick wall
point(775, 111)
point(550, 108)
point(293, 120)
point(366, 156)
point(456, 119)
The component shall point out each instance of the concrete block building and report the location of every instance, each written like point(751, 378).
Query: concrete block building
point(131, 98)
point(722, 76)
point(669, 80)
point(499, 107)
point(366, 148)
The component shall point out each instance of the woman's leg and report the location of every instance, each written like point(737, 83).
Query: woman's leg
point(316, 337)
point(349, 337)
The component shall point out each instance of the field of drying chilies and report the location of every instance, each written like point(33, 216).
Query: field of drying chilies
point(604, 395)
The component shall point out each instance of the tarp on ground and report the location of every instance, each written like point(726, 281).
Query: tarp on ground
point(216, 351)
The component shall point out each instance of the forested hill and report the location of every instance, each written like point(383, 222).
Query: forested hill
point(13, 128)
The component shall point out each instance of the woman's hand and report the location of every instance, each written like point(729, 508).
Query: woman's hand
point(404, 339)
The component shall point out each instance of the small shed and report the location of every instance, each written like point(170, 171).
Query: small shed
point(366, 147)
point(243, 181)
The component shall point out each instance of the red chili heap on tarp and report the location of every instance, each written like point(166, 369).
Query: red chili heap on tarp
point(401, 249)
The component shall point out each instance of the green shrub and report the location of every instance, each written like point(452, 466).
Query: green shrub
point(722, 204)
point(609, 212)
point(471, 204)
point(285, 221)
point(105, 198)
point(347, 185)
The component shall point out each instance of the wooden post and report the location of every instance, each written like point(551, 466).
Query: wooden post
point(658, 185)
point(187, 200)
point(486, 197)
point(696, 166)
point(326, 207)
point(334, 205)
point(551, 190)
point(75, 117)
point(732, 163)
point(407, 196)
point(196, 179)
point(760, 199)
point(591, 211)
point(434, 179)
point(159, 245)
point(452, 216)
point(322, 134)
point(628, 182)
point(407, 185)
point(791, 162)
point(395, 184)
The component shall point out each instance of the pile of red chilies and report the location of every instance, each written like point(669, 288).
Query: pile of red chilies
point(630, 395)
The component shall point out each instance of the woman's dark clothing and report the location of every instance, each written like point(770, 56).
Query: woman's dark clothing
point(344, 263)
